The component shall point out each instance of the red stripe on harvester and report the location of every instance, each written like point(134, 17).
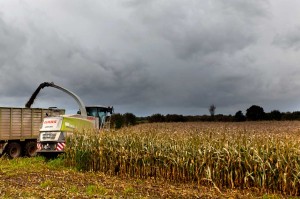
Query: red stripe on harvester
point(60, 146)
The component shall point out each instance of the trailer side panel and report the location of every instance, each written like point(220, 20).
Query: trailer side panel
point(23, 123)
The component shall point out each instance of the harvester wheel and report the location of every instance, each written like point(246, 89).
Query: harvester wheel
point(30, 149)
point(14, 150)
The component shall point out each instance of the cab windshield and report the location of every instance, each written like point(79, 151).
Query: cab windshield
point(99, 112)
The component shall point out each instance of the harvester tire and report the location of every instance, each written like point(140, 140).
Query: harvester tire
point(14, 150)
point(30, 149)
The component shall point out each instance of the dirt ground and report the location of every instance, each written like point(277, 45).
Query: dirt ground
point(33, 178)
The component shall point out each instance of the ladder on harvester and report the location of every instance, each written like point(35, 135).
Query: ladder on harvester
point(106, 125)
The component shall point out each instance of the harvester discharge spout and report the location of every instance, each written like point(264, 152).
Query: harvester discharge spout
point(51, 84)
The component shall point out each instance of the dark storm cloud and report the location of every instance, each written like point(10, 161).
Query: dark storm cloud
point(97, 76)
point(201, 28)
point(148, 56)
point(290, 39)
point(11, 46)
point(10, 41)
point(203, 35)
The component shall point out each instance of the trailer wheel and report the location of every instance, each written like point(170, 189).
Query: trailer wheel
point(13, 150)
point(30, 149)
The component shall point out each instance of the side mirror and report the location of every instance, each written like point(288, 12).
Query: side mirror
point(111, 109)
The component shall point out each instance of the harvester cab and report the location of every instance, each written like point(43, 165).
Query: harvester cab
point(103, 113)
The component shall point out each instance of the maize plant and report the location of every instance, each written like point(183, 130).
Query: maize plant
point(264, 155)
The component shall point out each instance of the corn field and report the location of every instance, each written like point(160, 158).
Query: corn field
point(263, 155)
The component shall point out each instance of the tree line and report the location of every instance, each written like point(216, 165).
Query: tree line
point(253, 113)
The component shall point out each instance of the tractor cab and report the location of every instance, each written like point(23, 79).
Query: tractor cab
point(103, 113)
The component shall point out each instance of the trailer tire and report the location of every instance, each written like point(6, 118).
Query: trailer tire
point(13, 150)
point(30, 149)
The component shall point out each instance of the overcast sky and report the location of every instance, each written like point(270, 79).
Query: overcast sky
point(152, 56)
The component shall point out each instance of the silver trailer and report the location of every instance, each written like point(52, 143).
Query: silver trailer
point(19, 129)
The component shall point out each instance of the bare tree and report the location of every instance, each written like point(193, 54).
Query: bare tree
point(212, 109)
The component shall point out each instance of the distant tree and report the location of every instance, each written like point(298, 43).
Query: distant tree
point(274, 115)
point(129, 119)
point(222, 118)
point(239, 116)
point(156, 118)
point(291, 116)
point(117, 120)
point(255, 113)
point(175, 118)
point(287, 116)
point(143, 119)
point(212, 109)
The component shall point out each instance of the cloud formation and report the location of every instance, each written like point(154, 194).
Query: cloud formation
point(152, 56)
